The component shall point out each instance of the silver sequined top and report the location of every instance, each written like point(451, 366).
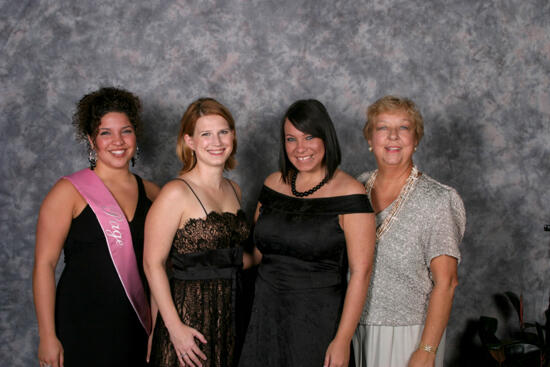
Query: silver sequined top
point(430, 223)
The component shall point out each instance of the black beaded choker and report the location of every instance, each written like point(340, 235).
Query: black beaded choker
point(308, 192)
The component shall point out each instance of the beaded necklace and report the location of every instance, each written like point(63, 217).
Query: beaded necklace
point(405, 191)
point(308, 192)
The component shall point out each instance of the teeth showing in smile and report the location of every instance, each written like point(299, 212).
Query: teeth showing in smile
point(393, 149)
point(117, 152)
point(304, 158)
point(219, 151)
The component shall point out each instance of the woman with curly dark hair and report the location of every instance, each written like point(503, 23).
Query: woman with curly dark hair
point(99, 314)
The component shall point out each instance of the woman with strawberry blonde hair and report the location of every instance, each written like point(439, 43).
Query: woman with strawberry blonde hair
point(197, 226)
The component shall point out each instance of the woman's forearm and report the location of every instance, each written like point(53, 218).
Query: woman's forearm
point(44, 298)
point(356, 294)
point(160, 291)
point(439, 310)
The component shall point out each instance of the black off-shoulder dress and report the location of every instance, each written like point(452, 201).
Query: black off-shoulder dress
point(301, 281)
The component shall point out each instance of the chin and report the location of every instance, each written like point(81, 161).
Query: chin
point(307, 168)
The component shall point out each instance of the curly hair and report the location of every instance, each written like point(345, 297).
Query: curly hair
point(199, 108)
point(93, 106)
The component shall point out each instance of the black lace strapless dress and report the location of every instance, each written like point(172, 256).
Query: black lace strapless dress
point(205, 257)
point(301, 282)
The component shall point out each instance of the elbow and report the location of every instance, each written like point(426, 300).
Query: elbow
point(448, 285)
point(453, 284)
point(148, 266)
point(361, 273)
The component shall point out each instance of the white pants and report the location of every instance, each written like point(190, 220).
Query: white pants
point(390, 346)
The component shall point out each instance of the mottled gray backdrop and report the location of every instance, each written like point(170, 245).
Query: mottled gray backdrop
point(479, 70)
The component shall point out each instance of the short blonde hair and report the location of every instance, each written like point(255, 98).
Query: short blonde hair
point(394, 104)
point(202, 107)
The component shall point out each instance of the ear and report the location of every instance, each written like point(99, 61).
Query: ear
point(90, 141)
point(369, 142)
point(189, 141)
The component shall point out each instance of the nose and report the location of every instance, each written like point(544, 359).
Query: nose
point(301, 145)
point(393, 133)
point(118, 139)
point(216, 139)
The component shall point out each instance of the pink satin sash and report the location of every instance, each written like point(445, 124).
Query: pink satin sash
point(119, 239)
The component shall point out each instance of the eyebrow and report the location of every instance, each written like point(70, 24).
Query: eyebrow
point(108, 128)
point(405, 119)
point(209, 130)
point(304, 134)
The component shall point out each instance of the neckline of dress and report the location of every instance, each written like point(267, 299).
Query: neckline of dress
point(395, 205)
point(90, 208)
point(310, 199)
point(204, 219)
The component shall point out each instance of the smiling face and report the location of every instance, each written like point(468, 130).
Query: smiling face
point(303, 150)
point(393, 139)
point(212, 140)
point(115, 142)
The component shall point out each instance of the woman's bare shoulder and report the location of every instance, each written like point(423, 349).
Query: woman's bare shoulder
point(345, 184)
point(274, 181)
point(175, 190)
point(64, 190)
point(236, 187)
point(63, 198)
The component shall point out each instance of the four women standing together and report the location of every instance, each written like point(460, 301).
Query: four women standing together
point(314, 240)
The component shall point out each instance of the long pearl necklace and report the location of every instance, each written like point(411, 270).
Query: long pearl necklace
point(308, 192)
point(405, 191)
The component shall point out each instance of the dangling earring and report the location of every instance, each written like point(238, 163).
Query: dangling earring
point(370, 148)
point(415, 148)
point(92, 157)
point(135, 157)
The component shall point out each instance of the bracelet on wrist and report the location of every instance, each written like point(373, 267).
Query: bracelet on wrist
point(427, 348)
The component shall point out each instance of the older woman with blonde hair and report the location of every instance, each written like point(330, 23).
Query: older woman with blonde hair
point(420, 223)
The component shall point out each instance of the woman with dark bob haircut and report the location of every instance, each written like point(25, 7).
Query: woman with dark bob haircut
point(312, 221)
point(99, 314)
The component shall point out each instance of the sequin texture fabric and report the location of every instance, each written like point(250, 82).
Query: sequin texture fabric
point(430, 223)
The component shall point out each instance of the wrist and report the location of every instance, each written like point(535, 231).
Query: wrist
point(427, 348)
point(339, 338)
point(49, 334)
